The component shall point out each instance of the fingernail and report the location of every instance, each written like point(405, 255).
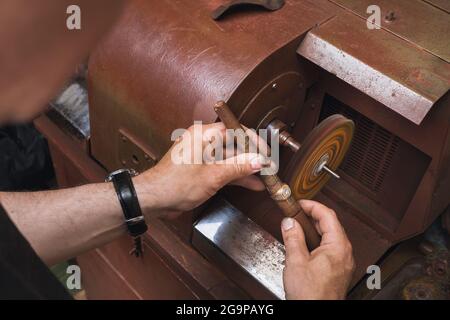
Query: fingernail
point(287, 224)
point(257, 163)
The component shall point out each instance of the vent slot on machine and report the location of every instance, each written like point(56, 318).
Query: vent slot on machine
point(375, 168)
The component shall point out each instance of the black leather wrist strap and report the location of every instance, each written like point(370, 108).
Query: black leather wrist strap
point(130, 205)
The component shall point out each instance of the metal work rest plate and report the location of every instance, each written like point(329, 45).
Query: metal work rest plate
point(246, 244)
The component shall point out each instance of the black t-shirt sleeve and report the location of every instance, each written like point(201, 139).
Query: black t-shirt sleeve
point(23, 275)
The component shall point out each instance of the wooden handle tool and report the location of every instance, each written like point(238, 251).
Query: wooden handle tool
point(278, 190)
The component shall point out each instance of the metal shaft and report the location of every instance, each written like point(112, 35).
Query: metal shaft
point(279, 191)
point(331, 172)
point(287, 140)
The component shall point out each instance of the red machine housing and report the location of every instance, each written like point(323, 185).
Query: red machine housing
point(166, 63)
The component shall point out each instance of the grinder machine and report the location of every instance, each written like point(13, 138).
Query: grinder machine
point(362, 114)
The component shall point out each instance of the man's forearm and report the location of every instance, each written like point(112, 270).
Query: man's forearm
point(64, 223)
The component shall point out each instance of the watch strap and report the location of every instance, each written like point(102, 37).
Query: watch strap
point(126, 193)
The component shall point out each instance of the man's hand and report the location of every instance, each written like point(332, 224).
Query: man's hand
point(182, 187)
point(326, 272)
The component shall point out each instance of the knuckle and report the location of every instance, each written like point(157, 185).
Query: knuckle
point(329, 262)
point(333, 214)
point(348, 258)
point(346, 250)
point(350, 265)
point(349, 248)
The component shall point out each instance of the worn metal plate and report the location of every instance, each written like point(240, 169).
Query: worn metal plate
point(255, 250)
point(392, 71)
point(417, 21)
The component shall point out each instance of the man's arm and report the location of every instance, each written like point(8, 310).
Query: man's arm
point(65, 223)
point(61, 224)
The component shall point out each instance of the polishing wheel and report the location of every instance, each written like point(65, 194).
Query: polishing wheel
point(319, 156)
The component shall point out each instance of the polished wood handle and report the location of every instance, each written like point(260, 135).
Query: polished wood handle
point(278, 190)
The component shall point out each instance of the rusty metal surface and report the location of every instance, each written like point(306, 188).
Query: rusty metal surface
point(417, 21)
point(399, 75)
point(418, 269)
point(250, 247)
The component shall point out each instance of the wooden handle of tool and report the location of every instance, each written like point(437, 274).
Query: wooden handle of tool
point(291, 208)
point(273, 183)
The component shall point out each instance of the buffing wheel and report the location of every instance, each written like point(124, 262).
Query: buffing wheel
point(327, 144)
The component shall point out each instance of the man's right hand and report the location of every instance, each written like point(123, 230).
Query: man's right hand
point(324, 273)
point(180, 187)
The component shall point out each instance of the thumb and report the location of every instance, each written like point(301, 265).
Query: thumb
point(241, 166)
point(294, 242)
